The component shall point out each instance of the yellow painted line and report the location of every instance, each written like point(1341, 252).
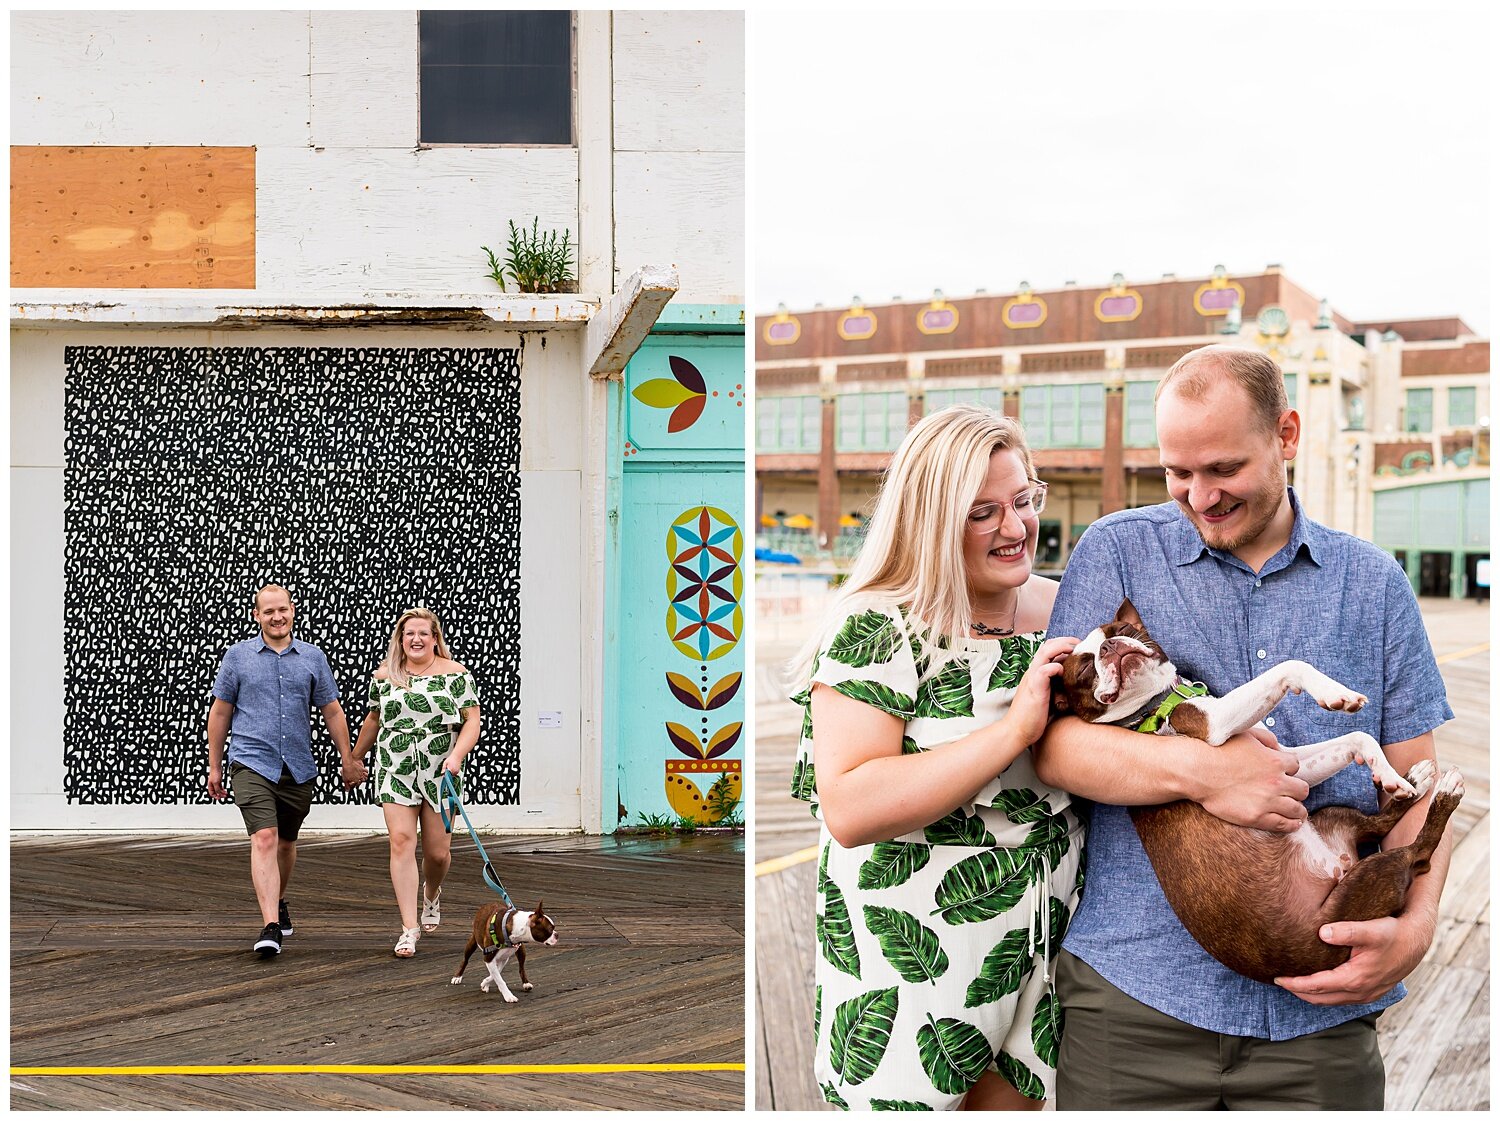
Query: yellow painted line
point(1457, 654)
point(540, 1068)
point(791, 860)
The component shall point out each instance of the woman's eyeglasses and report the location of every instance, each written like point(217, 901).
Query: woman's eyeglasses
point(1027, 504)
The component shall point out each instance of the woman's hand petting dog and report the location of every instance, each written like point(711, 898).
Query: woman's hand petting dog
point(1032, 705)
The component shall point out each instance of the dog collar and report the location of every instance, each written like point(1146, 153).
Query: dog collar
point(503, 938)
point(1181, 691)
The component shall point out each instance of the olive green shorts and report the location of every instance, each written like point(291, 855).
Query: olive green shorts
point(264, 804)
point(1120, 1054)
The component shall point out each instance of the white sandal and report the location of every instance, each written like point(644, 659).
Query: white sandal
point(432, 913)
point(406, 945)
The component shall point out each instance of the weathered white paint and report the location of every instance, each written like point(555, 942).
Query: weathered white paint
point(347, 203)
point(623, 323)
point(592, 585)
point(559, 531)
point(46, 308)
point(121, 77)
point(684, 209)
point(595, 116)
point(36, 403)
point(680, 81)
point(36, 632)
point(402, 220)
point(364, 79)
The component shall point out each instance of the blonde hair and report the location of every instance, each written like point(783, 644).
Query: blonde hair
point(271, 588)
point(1255, 373)
point(914, 547)
point(395, 655)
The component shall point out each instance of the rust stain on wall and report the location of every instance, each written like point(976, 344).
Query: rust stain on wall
point(112, 217)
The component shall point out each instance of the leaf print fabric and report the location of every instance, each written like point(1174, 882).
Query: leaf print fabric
point(416, 734)
point(861, 1033)
point(932, 946)
point(871, 638)
point(912, 949)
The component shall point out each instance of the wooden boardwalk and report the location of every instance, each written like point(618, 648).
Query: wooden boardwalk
point(1435, 1042)
point(129, 951)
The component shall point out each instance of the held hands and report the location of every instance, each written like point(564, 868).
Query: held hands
point(1382, 952)
point(1032, 705)
point(1250, 781)
point(353, 772)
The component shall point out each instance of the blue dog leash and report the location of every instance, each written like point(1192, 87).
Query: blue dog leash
point(450, 800)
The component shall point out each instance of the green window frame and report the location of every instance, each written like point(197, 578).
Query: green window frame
point(871, 422)
point(1291, 390)
point(789, 424)
point(1418, 411)
point(1140, 414)
point(1463, 406)
point(936, 400)
point(1063, 416)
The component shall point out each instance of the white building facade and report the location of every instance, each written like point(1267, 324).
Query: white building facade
point(254, 339)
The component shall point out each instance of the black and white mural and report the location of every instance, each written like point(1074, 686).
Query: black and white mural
point(366, 480)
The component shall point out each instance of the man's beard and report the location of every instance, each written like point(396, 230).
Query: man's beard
point(1227, 541)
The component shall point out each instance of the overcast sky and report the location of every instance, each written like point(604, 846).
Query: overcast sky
point(898, 153)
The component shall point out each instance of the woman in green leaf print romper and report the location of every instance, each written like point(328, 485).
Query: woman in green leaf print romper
point(947, 870)
point(417, 697)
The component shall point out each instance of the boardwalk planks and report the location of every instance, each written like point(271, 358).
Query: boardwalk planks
point(134, 951)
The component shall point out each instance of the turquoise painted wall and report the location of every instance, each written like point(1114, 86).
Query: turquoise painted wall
point(675, 647)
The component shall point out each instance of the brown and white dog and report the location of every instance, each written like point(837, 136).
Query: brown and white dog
point(501, 933)
point(1255, 899)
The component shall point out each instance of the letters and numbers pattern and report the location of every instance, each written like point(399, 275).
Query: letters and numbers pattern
point(367, 480)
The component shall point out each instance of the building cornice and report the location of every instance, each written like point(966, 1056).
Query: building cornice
point(50, 308)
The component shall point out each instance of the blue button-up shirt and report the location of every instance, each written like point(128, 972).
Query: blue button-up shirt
point(273, 695)
point(1326, 598)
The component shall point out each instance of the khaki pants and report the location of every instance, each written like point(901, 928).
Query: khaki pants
point(1118, 1053)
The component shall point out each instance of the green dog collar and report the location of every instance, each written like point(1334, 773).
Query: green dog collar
point(1182, 691)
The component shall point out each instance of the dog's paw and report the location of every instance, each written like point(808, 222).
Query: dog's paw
point(1393, 784)
point(1421, 776)
point(1339, 699)
point(484, 986)
point(1367, 751)
point(527, 987)
point(511, 998)
point(455, 981)
point(1451, 784)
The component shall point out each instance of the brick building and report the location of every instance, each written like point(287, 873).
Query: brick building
point(1395, 444)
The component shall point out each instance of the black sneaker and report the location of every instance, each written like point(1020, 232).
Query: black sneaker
point(284, 919)
point(269, 941)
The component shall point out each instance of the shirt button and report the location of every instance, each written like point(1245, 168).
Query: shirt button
point(1270, 722)
point(1260, 654)
point(1257, 583)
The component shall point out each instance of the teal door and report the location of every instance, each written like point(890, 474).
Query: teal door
point(676, 650)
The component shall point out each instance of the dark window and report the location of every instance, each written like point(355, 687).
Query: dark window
point(496, 77)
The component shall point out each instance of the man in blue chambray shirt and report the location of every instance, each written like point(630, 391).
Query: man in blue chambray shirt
point(264, 692)
point(1231, 578)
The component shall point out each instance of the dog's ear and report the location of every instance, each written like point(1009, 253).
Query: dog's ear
point(539, 906)
point(1060, 703)
point(1128, 613)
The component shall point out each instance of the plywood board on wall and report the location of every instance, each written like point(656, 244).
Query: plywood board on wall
point(148, 217)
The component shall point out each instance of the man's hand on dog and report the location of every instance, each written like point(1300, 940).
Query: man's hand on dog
point(1382, 952)
point(1250, 781)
